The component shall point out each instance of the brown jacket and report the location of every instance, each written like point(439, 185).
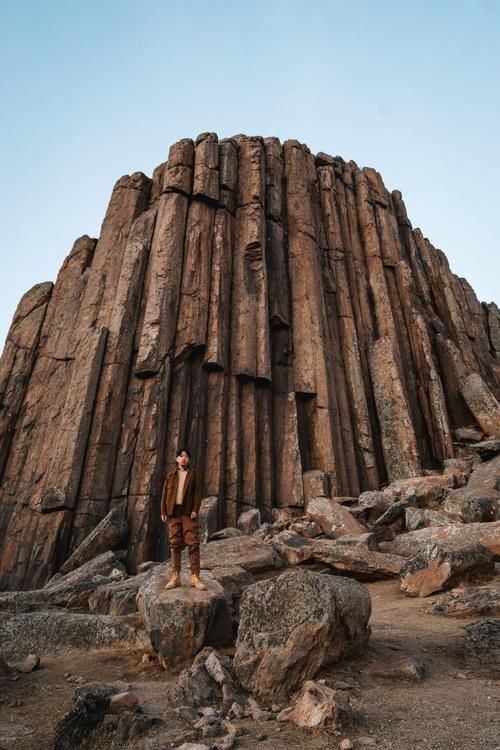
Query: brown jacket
point(191, 493)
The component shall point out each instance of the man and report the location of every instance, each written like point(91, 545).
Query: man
point(180, 505)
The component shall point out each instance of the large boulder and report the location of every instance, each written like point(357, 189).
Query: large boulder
point(441, 565)
point(109, 534)
point(295, 624)
point(54, 631)
point(181, 621)
point(469, 602)
point(479, 499)
point(487, 534)
point(249, 521)
point(334, 519)
point(247, 552)
point(357, 560)
point(74, 588)
point(117, 598)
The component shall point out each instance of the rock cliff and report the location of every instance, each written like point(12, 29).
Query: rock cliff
point(270, 309)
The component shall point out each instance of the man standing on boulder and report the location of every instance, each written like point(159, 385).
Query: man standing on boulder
point(180, 505)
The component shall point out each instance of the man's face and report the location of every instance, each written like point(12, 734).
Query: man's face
point(182, 460)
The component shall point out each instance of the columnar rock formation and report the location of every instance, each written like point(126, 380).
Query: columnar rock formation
point(272, 310)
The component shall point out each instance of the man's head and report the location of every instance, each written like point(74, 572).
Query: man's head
point(182, 458)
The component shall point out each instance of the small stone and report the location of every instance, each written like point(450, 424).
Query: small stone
point(345, 744)
point(122, 702)
point(261, 737)
point(366, 742)
point(29, 664)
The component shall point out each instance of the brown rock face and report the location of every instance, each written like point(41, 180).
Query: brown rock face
point(274, 311)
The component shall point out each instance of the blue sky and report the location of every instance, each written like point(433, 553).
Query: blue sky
point(93, 90)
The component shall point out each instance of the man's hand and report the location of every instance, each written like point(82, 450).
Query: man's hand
point(164, 519)
point(194, 514)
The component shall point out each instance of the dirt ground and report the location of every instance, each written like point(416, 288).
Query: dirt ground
point(453, 707)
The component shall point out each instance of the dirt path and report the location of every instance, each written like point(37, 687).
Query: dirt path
point(452, 708)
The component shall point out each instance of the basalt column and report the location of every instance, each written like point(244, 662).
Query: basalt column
point(271, 310)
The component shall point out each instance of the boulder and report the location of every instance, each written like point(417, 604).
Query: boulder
point(89, 707)
point(441, 565)
point(479, 499)
point(233, 580)
point(247, 552)
point(109, 534)
point(293, 547)
point(227, 533)
point(75, 588)
point(295, 624)
point(318, 706)
point(334, 519)
point(51, 632)
point(397, 667)
point(482, 645)
point(357, 560)
point(179, 622)
point(468, 602)
point(487, 534)
point(207, 518)
point(194, 687)
point(421, 518)
point(249, 521)
point(316, 484)
point(306, 527)
point(116, 598)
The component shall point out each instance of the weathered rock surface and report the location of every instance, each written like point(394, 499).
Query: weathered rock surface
point(469, 602)
point(334, 519)
point(247, 552)
point(110, 534)
point(486, 534)
point(321, 345)
point(319, 706)
point(179, 622)
point(117, 598)
point(442, 565)
point(482, 645)
point(51, 632)
point(293, 625)
point(357, 560)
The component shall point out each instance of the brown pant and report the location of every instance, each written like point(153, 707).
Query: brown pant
point(183, 528)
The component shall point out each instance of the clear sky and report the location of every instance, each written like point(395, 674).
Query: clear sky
point(91, 90)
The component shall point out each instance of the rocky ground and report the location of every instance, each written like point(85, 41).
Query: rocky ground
point(452, 706)
point(365, 622)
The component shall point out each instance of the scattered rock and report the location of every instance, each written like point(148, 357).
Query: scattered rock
point(307, 528)
point(123, 702)
point(334, 519)
point(227, 533)
point(316, 484)
point(249, 521)
point(293, 547)
point(110, 534)
point(487, 534)
point(194, 686)
point(247, 552)
point(442, 565)
point(116, 598)
point(293, 625)
point(391, 667)
point(88, 709)
point(421, 518)
point(318, 706)
point(30, 664)
point(181, 621)
point(471, 602)
point(346, 744)
point(207, 518)
point(357, 560)
point(55, 631)
point(78, 585)
point(482, 645)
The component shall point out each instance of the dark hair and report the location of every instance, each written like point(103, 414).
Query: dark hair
point(183, 450)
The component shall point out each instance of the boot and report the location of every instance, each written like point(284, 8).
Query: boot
point(174, 581)
point(197, 582)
